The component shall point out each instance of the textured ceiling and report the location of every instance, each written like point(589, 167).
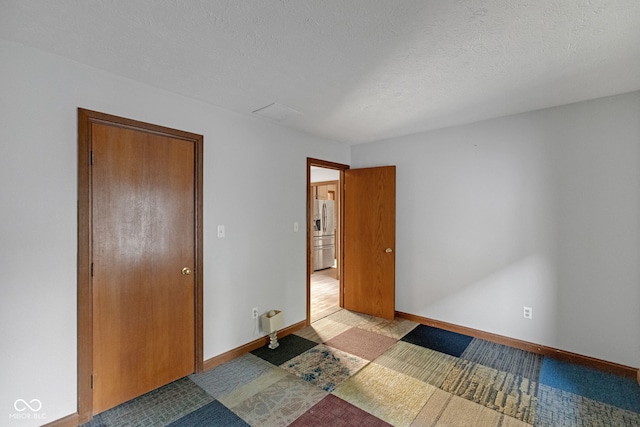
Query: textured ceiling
point(356, 70)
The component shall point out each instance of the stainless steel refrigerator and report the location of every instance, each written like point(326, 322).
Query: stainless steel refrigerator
point(324, 234)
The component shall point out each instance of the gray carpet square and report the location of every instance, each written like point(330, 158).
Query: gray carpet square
point(156, 408)
point(223, 379)
point(503, 358)
point(561, 408)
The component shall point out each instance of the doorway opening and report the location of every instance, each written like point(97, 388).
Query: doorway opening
point(324, 238)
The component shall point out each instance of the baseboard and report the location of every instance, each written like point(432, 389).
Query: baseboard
point(72, 420)
point(563, 355)
point(253, 345)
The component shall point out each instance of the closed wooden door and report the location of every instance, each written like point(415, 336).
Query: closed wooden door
point(144, 261)
point(369, 241)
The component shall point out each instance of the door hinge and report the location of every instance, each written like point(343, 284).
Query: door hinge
point(92, 269)
point(92, 381)
point(91, 159)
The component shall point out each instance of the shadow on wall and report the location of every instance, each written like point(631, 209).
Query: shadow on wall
point(495, 303)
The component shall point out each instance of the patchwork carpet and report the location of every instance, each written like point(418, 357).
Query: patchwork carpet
point(350, 369)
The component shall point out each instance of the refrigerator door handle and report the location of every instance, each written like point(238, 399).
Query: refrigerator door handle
point(324, 217)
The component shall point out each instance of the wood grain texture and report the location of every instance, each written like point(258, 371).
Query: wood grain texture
point(84, 310)
point(325, 290)
point(152, 135)
point(143, 235)
point(369, 232)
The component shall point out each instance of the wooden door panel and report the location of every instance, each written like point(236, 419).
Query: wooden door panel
point(143, 235)
point(369, 241)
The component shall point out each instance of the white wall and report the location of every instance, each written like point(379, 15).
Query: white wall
point(254, 184)
point(319, 174)
point(539, 209)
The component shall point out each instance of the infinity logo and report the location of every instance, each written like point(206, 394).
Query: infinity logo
point(22, 405)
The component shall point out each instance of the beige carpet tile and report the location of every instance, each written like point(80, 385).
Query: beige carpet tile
point(322, 330)
point(246, 391)
point(389, 395)
point(365, 344)
point(350, 318)
point(446, 410)
point(561, 408)
point(508, 421)
point(392, 328)
point(280, 403)
point(418, 362)
point(324, 366)
point(501, 391)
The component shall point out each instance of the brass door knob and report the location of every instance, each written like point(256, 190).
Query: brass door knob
point(389, 250)
point(186, 271)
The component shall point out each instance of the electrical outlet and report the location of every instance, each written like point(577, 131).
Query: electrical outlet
point(527, 312)
point(254, 312)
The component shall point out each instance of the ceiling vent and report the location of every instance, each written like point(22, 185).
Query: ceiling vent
point(277, 112)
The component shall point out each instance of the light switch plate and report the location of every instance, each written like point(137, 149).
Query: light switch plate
point(221, 231)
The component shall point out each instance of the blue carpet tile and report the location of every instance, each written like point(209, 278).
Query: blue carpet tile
point(440, 340)
point(590, 383)
point(213, 414)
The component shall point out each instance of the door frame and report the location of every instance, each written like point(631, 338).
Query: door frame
point(341, 168)
point(85, 293)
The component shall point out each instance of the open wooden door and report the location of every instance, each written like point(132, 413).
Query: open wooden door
point(369, 241)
